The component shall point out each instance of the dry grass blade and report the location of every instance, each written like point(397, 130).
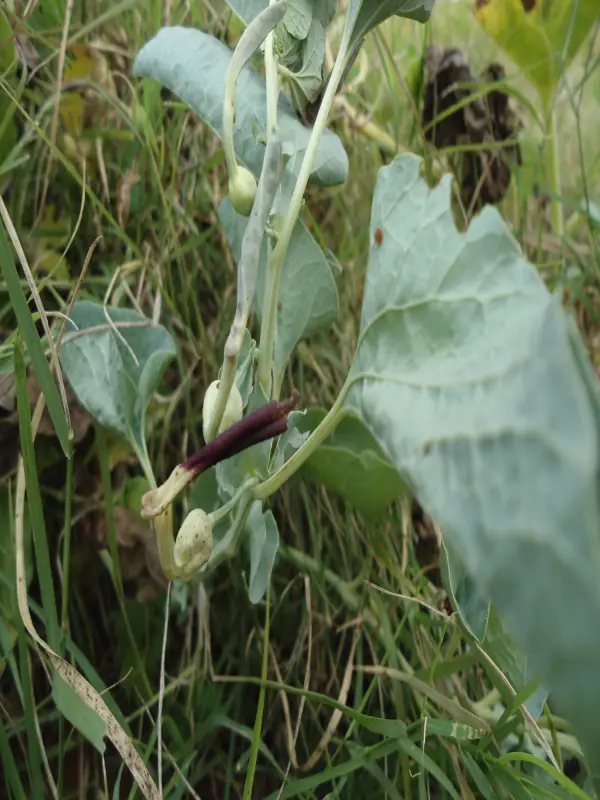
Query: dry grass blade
point(56, 110)
point(337, 714)
point(57, 404)
point(70, 675)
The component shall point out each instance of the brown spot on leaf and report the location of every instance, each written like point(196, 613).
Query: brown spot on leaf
point(528, 5)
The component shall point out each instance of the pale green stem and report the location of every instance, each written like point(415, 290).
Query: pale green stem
point(162, 524)
point(317, 437)
point(220, 514)
point(554, 175)
point(228, 118)
point(251, 39)
point(486, 703)
point(272, 81)
point(277, 257)
point(163, 529)
point(247, 274)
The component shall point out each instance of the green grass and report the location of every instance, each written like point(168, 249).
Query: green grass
point(223, 735)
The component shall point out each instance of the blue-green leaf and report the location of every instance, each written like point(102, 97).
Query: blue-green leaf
point(351, 463)
point(322, 10)
point(102, 371)
point(374, 12)
point(193, 65)
point(467, 375)
point(263, 539)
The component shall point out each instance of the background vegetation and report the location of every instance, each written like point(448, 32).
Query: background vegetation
point(102, 159)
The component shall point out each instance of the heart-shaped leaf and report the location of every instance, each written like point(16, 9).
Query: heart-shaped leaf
point(468, 376)
point(351, 464)
point(193, 65)
point(264, 543)
point(101, 369)
point(308, 295)
point(541, 37)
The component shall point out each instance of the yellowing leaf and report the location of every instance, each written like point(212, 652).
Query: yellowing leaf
point(72, 103)
point(86, 66)
point(51, 262)
point(541, 36)
point(45, 245)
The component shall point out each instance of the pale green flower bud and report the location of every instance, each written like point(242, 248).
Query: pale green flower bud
point(194, 542)
point(242, 190)
point(234, 409)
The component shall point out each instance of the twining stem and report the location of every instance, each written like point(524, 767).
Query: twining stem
point(272, 81)
point(220, 514)
point(256, 32)
point(277, 257)
point(554, 175)
point(259, 29)
point(163, 530)
point(247, 274)
point(317, 437)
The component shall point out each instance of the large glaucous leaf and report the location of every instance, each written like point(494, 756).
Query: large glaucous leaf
point(193, 65)
point(308, 295)
point(351, 463)
point(103, 373)
point(542, 37)
point(468, 376)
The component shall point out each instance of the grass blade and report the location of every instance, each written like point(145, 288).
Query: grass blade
point(33, 343)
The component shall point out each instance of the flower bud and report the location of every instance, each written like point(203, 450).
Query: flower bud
point(194, 542)
point(242, 190)
point(234, 409)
